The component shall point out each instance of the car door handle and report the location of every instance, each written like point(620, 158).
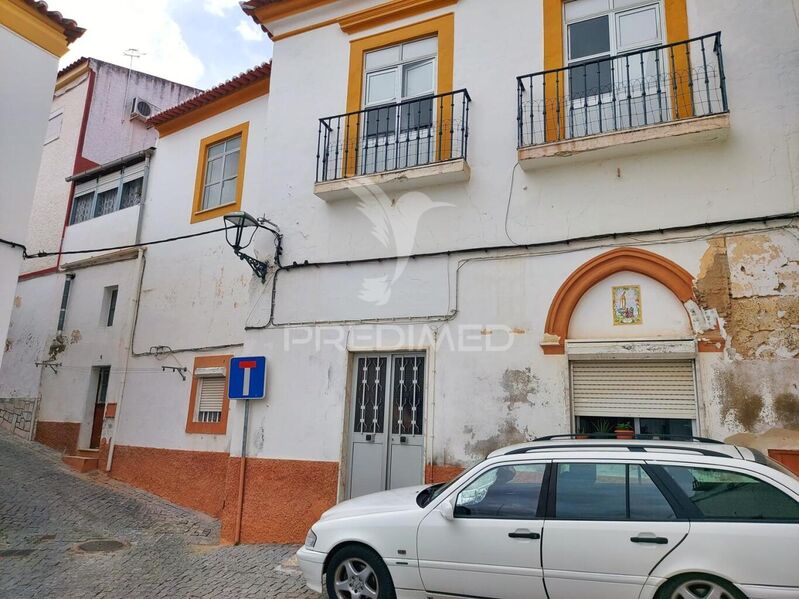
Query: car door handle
point(652, 540)
point(524, 534)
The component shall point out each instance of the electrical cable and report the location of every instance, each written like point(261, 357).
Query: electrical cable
point(507, 207)
point(26, 255)
point(14, 244)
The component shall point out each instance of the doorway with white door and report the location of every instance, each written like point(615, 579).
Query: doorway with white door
point(385, 429)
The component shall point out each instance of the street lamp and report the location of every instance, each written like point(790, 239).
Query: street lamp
point(240, 229)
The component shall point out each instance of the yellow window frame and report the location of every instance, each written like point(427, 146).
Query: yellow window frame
point(676, 31)
point(443, 27)
point(198, 214)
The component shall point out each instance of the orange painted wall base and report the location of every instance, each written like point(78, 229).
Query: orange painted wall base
point(282, 499)
point(194, 479)
point(61, 436)
point(440, 473)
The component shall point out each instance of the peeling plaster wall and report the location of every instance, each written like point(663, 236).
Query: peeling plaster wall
point(753, 282)
point(489, 384)
point(33, 324)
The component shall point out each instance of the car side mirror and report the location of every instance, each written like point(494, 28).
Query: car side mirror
point(447, 509)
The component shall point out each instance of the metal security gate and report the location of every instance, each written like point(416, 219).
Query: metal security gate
point(387, 423)
point(635, 389)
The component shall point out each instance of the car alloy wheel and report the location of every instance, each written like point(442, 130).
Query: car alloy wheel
point(700, 589)
point(354, 579)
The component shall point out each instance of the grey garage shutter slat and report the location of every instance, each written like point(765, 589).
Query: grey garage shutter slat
point(635, 389)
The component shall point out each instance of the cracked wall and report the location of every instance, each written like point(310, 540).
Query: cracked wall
point(752, 280)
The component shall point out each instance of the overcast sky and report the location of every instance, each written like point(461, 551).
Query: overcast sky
point(196, 42)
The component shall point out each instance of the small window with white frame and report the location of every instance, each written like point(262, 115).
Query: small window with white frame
point(221, 173)
point(110, 295)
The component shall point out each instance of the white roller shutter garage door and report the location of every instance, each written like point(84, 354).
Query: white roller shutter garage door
point(634, 389)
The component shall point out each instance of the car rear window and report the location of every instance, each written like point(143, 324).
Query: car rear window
point(727, 495)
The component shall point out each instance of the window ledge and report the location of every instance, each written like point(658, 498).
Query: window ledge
point(664, 136)
point(440, 173)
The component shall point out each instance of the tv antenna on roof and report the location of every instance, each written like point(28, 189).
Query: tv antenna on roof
point(131, 53)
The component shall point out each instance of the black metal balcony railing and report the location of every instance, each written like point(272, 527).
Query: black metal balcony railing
point(416, 132)
point(662, 84)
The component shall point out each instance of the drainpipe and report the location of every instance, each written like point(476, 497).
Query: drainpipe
point(133, 315)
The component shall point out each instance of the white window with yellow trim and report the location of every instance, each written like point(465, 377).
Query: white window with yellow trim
point(221, 173)
point(606, 94)
point(399, 108)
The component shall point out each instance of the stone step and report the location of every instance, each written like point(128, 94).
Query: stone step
point(80, 463)
point(88, 453)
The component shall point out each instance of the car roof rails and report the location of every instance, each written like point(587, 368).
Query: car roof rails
point(623, 445)
point(635, 437)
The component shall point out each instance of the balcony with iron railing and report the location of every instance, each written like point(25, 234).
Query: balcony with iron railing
point(654, 95)
point(422, 141)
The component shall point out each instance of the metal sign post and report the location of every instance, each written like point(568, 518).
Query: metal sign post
point(247, 381)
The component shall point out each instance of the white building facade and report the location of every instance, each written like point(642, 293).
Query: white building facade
point(495, 223)
point(610, 242)
point(87, 194)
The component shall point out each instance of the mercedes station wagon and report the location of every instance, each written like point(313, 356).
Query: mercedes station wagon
point(560, 518)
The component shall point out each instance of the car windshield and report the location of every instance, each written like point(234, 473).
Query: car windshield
point(428, 494)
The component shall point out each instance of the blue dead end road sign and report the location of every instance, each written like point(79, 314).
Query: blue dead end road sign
point(247, 378)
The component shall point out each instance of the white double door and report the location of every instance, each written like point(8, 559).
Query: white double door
point(386, 432)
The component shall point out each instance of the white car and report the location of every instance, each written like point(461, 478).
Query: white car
point(570, 519)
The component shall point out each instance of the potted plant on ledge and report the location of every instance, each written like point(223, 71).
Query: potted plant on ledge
point(624, 430)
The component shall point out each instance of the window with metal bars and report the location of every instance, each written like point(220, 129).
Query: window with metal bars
point(408, 401)
point(210, 398)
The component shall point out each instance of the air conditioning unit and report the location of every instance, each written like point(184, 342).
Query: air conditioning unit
point(141, 109)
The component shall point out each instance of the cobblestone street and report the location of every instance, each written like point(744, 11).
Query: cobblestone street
point(46, 510)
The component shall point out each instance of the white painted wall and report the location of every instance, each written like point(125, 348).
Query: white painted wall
point(58, 160)
point(748, 175)
point(68, 395)
point(663, 315)
point(111, 107)
point(489, 383)
point(28, 73)
point(194, 292)
point(110, 230)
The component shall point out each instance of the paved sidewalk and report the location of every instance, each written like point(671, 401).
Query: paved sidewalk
point(170, 552)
